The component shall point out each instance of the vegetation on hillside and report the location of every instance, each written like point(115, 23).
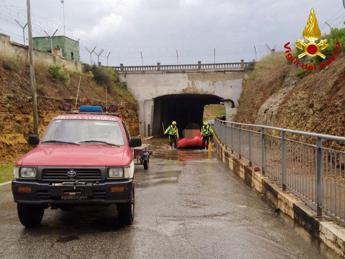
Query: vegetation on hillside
point(56, 86)
point(6, 173)
point(335, 36)
point(280, 94)
point(59, 73)
point(263, 81)
point(213, 111)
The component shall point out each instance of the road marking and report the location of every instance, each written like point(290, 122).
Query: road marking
point(5, 183)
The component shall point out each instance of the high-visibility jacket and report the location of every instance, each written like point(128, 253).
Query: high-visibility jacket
point(172, 131)
point(206, 131)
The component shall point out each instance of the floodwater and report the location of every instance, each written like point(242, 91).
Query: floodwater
point(188, 205)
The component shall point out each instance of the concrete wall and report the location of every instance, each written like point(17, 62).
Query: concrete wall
point(66, 45)
point(149, 85)
point(328, 235)
point(20, 53)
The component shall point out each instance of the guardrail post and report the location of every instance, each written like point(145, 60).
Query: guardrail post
point(263, 151)
point(148, 130)
point(240, 142)
point(319, 173)
point(226, 135)
point(250, 147)
point(232, 138)
point(283, 160)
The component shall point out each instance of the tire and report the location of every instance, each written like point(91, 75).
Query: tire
point(126, 211)
point(66, 208)
point(30, 215)
point(146, 164)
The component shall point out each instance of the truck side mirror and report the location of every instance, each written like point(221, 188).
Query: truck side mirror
point(135, 142)
point(33, 140)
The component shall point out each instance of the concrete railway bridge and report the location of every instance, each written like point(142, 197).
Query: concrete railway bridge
point(180, 92)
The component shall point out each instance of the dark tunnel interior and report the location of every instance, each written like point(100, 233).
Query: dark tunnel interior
point(183, 108)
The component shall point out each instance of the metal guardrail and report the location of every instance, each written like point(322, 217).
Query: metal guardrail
point(310, 165)
point(237, 66)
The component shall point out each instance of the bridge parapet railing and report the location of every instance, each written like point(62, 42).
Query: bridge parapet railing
point(236, 66)
point(310, 165)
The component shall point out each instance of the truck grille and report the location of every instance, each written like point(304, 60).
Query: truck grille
point(65, 175)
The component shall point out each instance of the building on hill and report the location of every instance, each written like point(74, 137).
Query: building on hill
point(62, 46)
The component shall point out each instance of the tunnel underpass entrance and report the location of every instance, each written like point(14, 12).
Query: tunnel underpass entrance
point(183, 108)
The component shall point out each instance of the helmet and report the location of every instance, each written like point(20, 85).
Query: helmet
point(205, 123)
point(173, 123)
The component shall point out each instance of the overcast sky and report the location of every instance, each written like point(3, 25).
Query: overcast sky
point(160, 27)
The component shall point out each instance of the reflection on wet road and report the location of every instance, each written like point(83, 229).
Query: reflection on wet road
point(187, 206)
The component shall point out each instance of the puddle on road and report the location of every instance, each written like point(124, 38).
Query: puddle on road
point(167, 165)
point(153, 178)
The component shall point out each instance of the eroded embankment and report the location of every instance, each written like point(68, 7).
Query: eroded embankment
point(54, 90)
point(281, 95)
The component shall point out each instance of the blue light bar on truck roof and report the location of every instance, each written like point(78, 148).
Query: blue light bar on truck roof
point(90, 108)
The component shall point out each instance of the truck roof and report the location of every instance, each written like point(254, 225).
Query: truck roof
point(87, 116)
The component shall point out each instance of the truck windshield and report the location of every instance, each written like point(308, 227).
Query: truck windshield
point(84, 131)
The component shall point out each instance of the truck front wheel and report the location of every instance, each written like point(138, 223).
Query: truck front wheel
point(126, 211)
point(30, 215)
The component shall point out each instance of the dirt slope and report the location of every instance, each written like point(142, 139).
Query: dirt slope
point(16, 109)
point(278, 94)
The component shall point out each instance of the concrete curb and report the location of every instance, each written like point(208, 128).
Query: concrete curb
point(5, 183)
point(329, 235)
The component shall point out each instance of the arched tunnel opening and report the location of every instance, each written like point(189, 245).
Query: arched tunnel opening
point(185, 109)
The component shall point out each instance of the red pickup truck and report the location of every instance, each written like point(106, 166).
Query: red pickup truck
point(84, 158)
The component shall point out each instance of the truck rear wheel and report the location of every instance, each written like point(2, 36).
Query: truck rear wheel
point(30, 215)
point(126, 211)
point(146, 164)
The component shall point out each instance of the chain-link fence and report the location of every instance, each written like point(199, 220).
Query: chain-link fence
point(310, 165)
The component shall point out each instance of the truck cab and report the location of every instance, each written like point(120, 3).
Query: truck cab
point(84, 158)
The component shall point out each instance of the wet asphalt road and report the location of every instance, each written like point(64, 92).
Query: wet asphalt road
point(187, 206)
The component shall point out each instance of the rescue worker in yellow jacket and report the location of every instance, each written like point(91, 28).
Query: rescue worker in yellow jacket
point(172, 131)
point(206, 132)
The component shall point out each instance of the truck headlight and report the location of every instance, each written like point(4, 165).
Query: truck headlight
point(129, 171)
point(27, 172)
point(115, 172)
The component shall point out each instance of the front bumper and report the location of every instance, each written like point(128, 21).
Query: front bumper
point(33, 192)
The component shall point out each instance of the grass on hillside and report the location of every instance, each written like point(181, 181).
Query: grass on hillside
point(213, 111)
point(266, 79)
point(6, 173)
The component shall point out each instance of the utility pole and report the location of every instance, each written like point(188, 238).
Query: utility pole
point(108, 58)
point(106, 98)
point(98, 55)
point(32, 70)
point(177, 57)
point(90, 52)
point(23, 28)
point(255, 52)
point(51, 39)
point(142, 58)
point(77, 97)
point(63, 17)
